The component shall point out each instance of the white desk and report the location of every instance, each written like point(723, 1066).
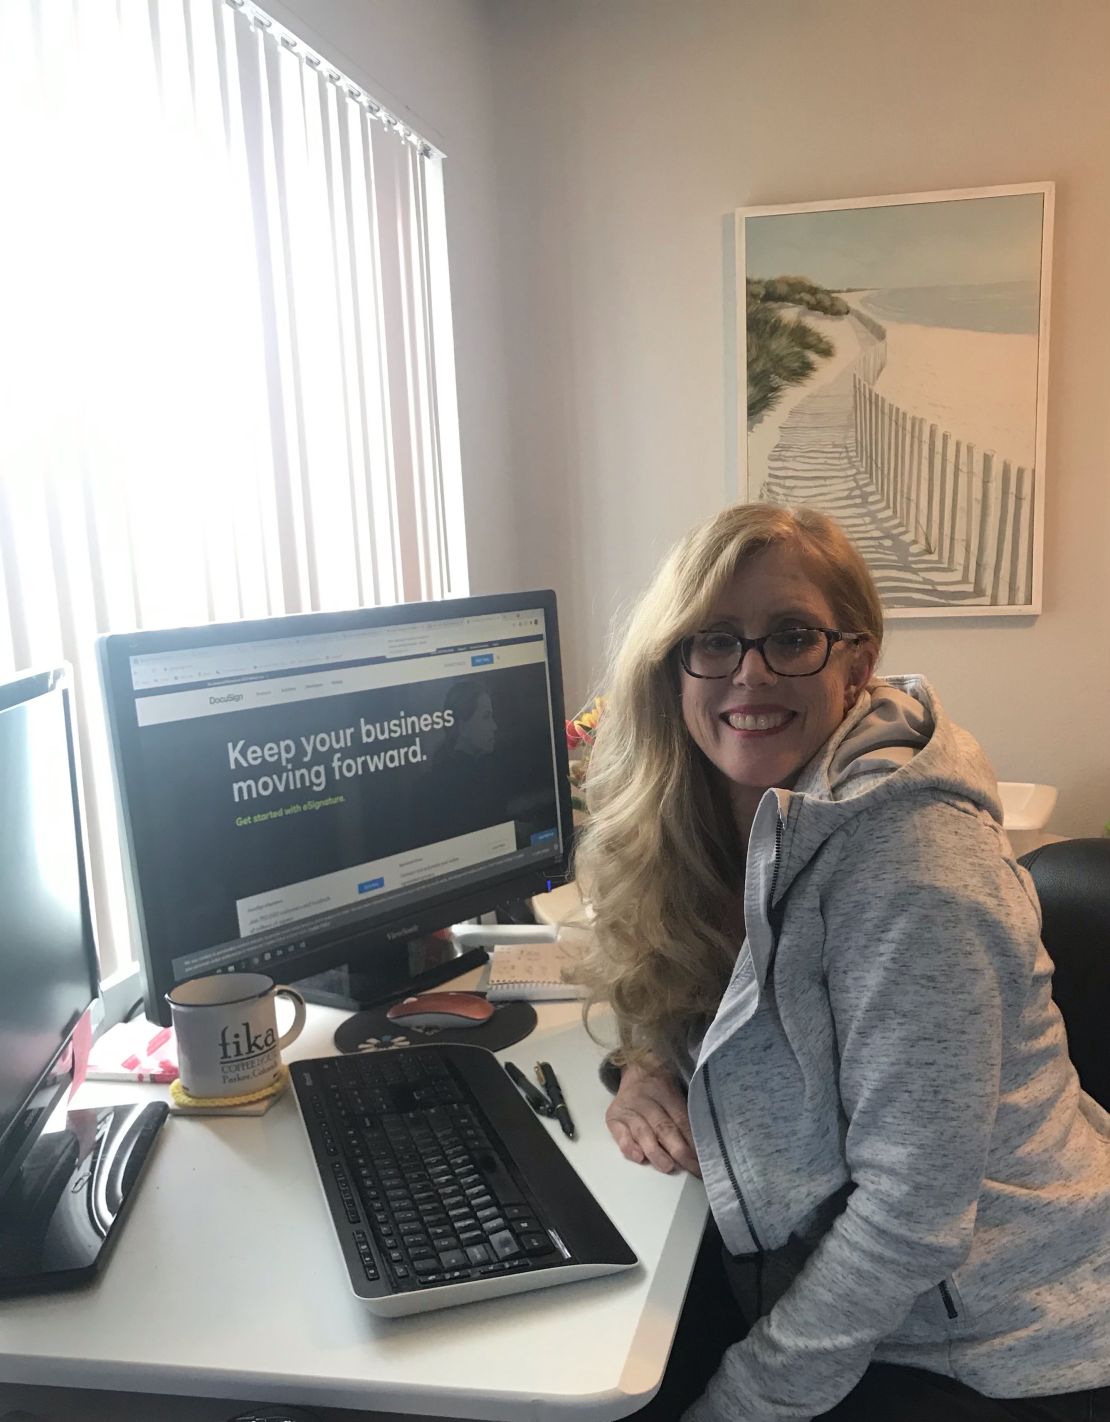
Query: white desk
point(226, 1283)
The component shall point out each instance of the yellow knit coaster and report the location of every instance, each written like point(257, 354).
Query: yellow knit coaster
point(182, 1099)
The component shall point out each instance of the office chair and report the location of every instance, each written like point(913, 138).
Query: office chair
point(1072, 879)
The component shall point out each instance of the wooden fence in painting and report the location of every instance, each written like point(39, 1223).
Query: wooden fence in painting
point(870, 363)
point(969, 510)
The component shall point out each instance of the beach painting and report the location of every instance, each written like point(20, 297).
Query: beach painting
point(892, 356)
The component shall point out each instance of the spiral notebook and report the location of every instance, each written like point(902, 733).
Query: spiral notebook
point(532, 972)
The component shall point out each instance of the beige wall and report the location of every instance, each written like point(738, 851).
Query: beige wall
point(628, 128)
point(594, 147)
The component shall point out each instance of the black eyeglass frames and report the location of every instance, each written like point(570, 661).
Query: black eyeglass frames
point(796, 651)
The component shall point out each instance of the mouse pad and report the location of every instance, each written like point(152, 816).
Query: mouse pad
point(371, 1030)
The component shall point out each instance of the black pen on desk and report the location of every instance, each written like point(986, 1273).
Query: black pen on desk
point(536, 1099)
point(550, 1082)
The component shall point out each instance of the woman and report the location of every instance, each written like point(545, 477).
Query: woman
point(806, 911)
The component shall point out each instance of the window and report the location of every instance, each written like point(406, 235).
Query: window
point(226, 351)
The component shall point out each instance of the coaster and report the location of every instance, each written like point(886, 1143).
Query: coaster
point(251, 1103)
point(371, 1030)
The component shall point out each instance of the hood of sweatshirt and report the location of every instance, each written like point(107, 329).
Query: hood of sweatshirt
point(897, 740)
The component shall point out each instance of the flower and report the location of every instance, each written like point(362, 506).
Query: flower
point(581, 731)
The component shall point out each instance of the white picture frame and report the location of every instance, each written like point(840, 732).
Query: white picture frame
point(895, 352)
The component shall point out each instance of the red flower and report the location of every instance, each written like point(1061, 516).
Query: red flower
point(581, 731)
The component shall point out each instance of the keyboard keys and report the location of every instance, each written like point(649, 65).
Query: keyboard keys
point(535, 1244)
point(366, 1255)
point(441, 1202)
point(504, 1244)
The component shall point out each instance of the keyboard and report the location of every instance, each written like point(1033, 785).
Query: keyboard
point(442, 1185)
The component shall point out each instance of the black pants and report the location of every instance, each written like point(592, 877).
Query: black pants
point(711, 1321)
point(886, 1393)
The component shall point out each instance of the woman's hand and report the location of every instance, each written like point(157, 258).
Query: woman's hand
point(648, 1121)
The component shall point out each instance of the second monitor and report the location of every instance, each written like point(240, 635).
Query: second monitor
point(302, 792)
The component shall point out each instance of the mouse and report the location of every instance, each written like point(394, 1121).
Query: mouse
point(442, 1009)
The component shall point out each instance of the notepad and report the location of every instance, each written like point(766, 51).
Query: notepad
point(530, 971)
point(134, 1051)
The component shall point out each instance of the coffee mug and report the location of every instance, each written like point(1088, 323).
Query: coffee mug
point(226, 1029)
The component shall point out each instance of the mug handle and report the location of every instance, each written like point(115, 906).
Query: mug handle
point(298, 1015)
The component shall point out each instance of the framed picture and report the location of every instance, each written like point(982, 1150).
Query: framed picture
point(892, 359)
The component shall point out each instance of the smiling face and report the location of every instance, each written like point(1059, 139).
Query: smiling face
point(756, 728)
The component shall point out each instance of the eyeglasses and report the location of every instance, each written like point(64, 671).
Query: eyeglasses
point(798, 651)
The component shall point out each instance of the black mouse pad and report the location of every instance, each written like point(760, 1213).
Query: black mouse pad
point(371, 1030)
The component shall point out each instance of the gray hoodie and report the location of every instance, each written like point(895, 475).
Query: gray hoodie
point(884, 1098)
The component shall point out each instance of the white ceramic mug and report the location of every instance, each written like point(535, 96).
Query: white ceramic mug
point(226, 1029)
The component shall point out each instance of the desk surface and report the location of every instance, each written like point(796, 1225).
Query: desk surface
point(227, 1281)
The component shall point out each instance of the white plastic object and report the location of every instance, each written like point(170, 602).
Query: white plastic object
point(482, 935)
point(1026, 806)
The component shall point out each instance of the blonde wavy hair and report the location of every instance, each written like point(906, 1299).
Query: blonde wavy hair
point(660, 859)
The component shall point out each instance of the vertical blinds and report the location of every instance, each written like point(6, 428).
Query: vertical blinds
point(226, 352)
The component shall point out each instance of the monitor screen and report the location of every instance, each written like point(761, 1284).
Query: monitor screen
point(303, 791)
point(48, 973)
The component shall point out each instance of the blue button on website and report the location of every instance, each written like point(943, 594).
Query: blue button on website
point(485, 660)
point(370, 884)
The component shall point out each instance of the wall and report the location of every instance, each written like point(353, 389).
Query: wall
point(431, 61)
point(627, 129)
point(593, 151)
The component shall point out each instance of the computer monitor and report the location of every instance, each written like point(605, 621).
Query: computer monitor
point(62, 1190)
point(325, 789)
point(48, 972)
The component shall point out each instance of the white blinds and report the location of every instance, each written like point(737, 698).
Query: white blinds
point(225, 355)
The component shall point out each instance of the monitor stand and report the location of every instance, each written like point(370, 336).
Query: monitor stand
point(401, 969)
point(62, 1211)
point(415, 966)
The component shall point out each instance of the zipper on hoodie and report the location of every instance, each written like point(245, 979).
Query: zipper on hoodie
point(728, 1162)
point(779, 830)
point(949, 1302)
point(775, 917)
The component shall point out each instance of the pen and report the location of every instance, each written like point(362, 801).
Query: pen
point(550, 1083)
point(536, 1099)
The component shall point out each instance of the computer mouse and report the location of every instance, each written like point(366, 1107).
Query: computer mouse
point(441, 1009)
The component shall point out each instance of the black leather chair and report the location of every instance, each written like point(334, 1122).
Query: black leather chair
point(1072, 879)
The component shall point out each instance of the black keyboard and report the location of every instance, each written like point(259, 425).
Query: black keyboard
point(442, 1184)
